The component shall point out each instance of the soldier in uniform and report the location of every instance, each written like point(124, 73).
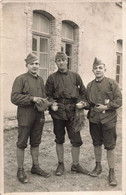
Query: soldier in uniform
point(65, 88)
point(104, 97)
point(28, 93)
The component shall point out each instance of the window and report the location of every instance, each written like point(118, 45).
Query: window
point(67, 48)
point(118, 67)
point(40, 42)
point(40, 23)
point(119, 62)
point(67, 42)
point(67, 31)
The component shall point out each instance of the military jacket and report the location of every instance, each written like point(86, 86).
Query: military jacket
point(24, 88)
point(104, 92)
point(67, 85)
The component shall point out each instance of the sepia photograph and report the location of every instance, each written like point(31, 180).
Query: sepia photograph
point(62, 97)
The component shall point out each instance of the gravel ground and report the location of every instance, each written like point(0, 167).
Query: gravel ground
point(48, 161)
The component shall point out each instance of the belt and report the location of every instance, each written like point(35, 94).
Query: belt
point(66, 101)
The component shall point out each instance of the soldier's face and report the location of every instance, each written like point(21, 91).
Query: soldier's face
point(62, 64)
point(33, 67)
point(99, 71)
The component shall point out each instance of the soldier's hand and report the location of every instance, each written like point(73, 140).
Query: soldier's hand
point(45, 100)
point(100, 108)
point(37, 100)
point(81, 104)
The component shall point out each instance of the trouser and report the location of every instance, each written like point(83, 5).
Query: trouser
point(104, 134)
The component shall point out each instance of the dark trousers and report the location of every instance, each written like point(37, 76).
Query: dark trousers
point(104, 134)
point(59, 131)
point(31, 129)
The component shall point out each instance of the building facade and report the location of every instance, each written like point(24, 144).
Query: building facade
point(83, 30)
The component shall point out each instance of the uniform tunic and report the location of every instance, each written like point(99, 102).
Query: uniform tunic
point(30, 121)
point(100, 92)
point(66, 89)
point(103, 124)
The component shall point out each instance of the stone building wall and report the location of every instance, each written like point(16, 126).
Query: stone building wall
point(95, 35)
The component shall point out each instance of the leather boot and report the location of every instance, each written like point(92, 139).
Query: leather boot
point(111, 177)
point(60, 169)
point(37, 170)
point(97, 170)
point(78, 169)
point(22, 176)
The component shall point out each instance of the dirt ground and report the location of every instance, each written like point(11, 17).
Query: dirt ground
point(48, 161)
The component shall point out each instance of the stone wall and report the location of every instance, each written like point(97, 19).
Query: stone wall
point(97, 30)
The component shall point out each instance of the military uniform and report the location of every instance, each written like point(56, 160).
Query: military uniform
point(104, 97)
point(28, 93)
point(66, 89)
point(103, 92)
point(30, 120)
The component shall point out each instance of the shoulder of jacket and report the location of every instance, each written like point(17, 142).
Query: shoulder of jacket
point(90, 83)
point(40, 78)
point(52, 75)
point(110, 80)
point(72, 72)
point(22, 76)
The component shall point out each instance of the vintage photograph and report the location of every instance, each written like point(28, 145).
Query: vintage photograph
point(62, 105)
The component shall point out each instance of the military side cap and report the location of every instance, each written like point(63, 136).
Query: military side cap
point(97, 62)
point(60, 55)
point(31, 58)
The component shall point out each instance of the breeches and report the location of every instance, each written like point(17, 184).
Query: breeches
point(104, 134)
point(59, 131)
point(32, 130)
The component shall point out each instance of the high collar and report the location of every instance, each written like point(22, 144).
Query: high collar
point(34, 75)
point(99, 80)
point(63, 72)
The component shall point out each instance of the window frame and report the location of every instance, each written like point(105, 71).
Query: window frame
point(38, 35)
point(120, 66)
point(46, 18)
point(67, 25)
point(65, 41)
point(64, 50)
